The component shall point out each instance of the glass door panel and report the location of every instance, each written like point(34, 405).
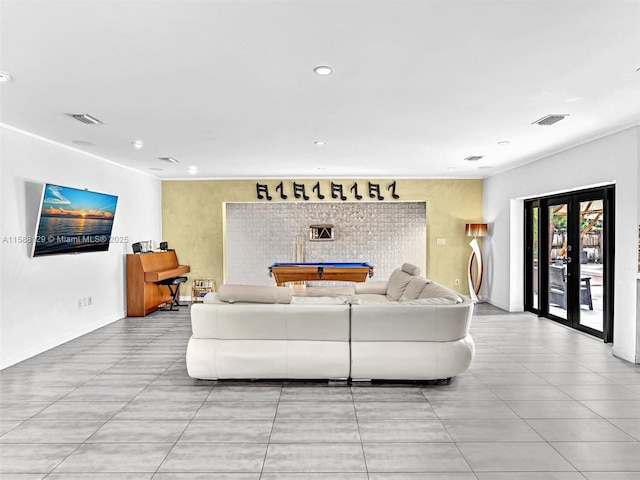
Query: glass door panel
point(535, 247)
point(557, 260)
point(591, 264)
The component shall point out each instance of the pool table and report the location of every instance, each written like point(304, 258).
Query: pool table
point(327, 271)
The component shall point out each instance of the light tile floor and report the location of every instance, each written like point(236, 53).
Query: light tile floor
point(540, 401)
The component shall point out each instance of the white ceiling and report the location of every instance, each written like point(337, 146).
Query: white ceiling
point(229, 87)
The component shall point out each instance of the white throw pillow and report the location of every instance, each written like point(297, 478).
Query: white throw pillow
point(376, 286)
point(211, 297)
point(254, 294)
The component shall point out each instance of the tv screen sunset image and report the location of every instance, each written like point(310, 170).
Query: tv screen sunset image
point(73, 221)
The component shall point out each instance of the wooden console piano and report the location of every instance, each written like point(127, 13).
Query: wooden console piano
point(144, 270)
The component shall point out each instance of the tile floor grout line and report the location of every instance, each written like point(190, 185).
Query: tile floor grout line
point(273, 422)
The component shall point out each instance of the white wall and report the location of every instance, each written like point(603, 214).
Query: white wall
point(638, 263)
point(611, 159)
point(39, 296)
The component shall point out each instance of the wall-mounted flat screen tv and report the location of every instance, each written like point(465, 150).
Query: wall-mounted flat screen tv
point(73, 221)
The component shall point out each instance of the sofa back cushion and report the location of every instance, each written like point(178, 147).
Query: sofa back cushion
point(254, 321)
point(435, 290)
point(411, 269)
point(398, 281)
point(400, 322)
point(254, 294)
point(414, 288)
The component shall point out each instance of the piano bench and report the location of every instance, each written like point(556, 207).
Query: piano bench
point(173, 284)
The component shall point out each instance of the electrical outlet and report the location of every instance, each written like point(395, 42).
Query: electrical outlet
point(441, 241)
point(457, 282)
point(80, 303)
point(89, 301)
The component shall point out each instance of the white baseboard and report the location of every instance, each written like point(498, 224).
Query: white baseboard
point(625, 355)
point(66, 337)
point(496, 304)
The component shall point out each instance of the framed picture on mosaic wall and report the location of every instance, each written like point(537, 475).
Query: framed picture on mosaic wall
point(321, 232)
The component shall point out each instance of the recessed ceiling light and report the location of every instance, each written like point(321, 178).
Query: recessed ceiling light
point(323, 70)
point(84, 143)
point(473, 158)
point(86, 119)
point(319, 143)
point(137, 144)
point(4, 77)
point(192, 170)
point(169, 159)
point(504, 142)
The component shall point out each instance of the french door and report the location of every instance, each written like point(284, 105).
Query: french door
point(569, 259)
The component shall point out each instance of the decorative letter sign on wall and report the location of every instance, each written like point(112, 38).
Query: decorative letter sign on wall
point(337, 191)
point(262, 191)
point(299, 191)
point(316, 189)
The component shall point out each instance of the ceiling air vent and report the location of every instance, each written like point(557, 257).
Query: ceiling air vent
point(550, 119)
point(473, 158)
point(86, 118)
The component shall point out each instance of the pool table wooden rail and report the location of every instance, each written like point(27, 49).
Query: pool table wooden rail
point(283, 273)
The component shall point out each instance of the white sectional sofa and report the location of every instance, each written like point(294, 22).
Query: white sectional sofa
point(409, 328)
point(255, 332)
point(406, 328)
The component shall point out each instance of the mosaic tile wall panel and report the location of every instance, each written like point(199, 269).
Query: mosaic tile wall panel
point(384, 234)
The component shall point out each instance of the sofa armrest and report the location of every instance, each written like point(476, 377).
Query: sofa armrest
point(378, 287)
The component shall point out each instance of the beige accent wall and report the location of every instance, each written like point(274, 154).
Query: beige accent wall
point(192, 219)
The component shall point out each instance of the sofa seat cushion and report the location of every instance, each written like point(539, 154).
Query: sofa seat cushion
point(254, 294)
point(363, 298)
point(431, 301)
point(339, 300)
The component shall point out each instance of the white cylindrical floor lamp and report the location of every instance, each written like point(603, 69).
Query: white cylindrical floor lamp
point(475, 230)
